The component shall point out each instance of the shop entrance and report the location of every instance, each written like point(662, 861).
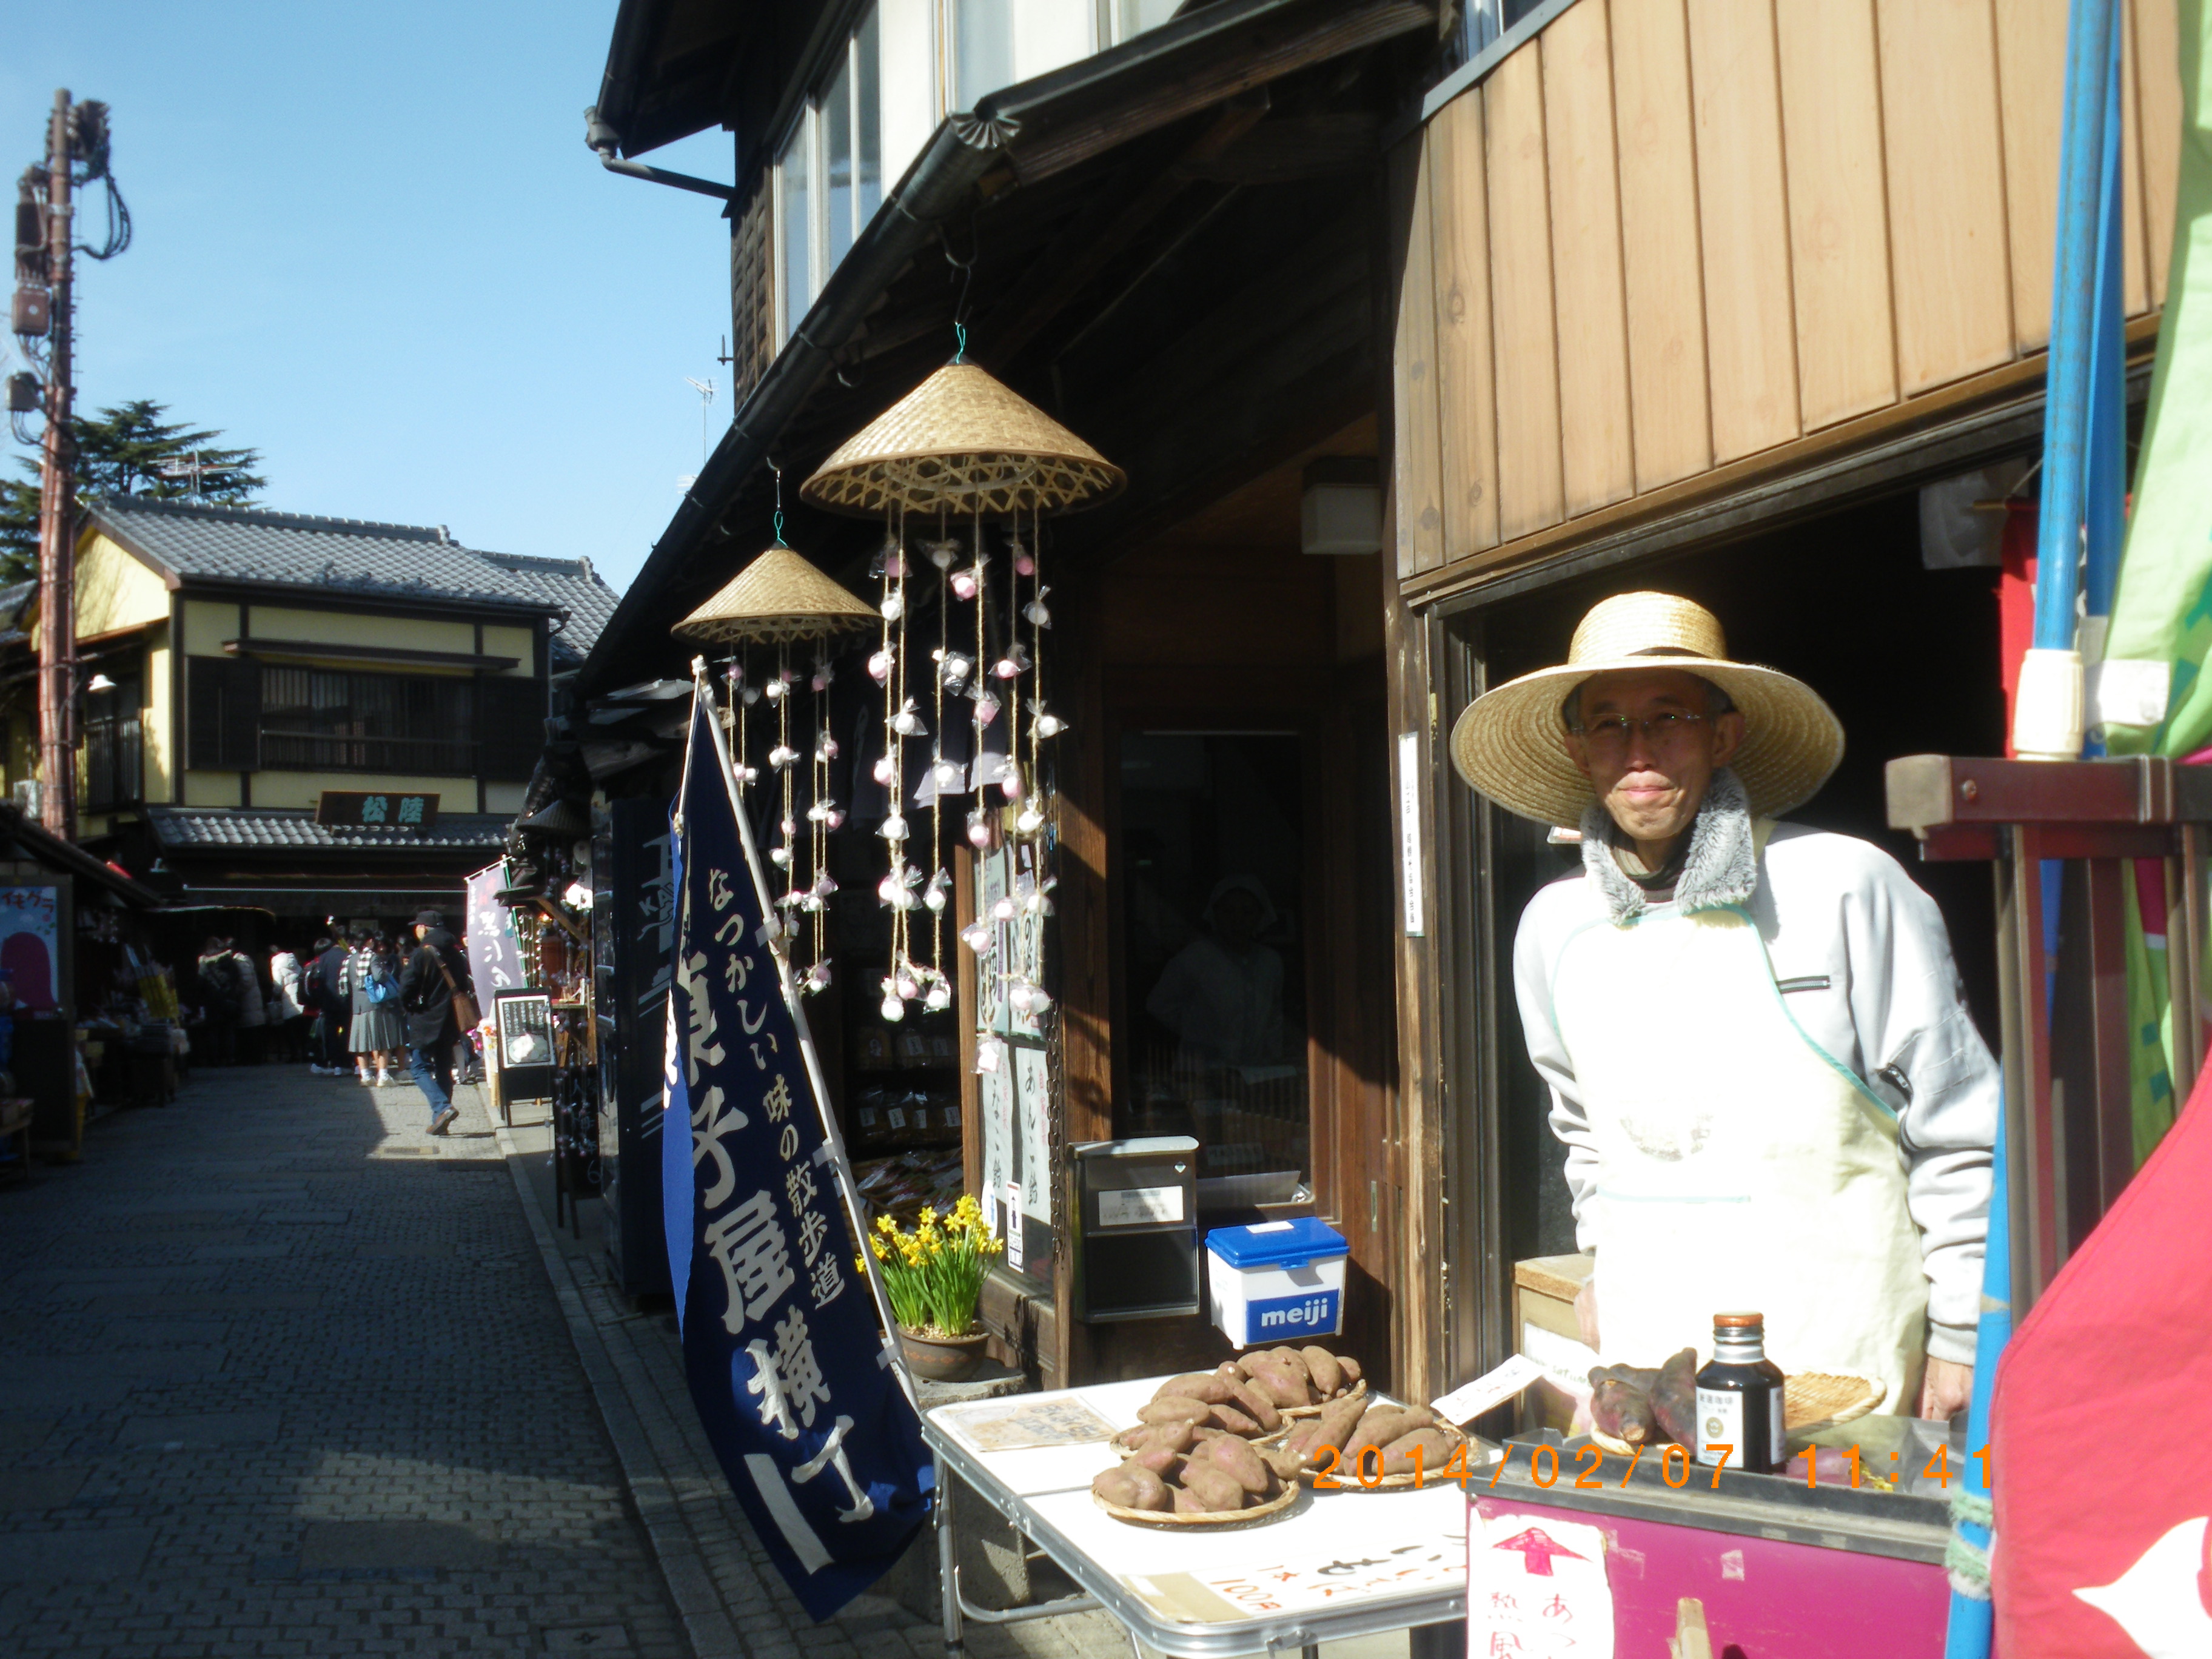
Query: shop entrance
point(1908, 657)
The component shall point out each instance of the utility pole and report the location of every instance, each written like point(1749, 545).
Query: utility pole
point(57, 512)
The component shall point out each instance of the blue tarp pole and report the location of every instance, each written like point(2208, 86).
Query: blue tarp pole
point(2104, 469)
point(1970, 1615)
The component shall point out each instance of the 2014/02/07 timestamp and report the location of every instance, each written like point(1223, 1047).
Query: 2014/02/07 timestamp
point(1675, 1466)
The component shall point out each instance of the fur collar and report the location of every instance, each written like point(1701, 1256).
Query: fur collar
point(1722, 866)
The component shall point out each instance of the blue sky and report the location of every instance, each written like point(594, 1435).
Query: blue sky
point(371, 244)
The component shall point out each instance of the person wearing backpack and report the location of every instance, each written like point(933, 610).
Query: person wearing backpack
point(333, 1006)
point(377, 1032)
point(435, 990)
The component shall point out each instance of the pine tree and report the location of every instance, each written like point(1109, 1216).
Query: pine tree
point(121, 452)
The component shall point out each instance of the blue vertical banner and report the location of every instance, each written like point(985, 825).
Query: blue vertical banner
point(783, 1347)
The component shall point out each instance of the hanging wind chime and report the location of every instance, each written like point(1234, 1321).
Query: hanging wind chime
point(972, 469)
point(780, 617)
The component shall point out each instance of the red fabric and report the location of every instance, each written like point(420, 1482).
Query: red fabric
point(2099, 1454)
point(2015, 602)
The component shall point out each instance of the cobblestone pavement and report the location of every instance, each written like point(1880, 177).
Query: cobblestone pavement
point(282, 1376)
point(733, 1600)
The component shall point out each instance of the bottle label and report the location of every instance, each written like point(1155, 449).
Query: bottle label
point(1720, 1419)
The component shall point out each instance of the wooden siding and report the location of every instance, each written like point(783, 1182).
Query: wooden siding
point(1665, 236)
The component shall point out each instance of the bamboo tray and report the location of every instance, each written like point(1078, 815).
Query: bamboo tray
point(1167, 1520)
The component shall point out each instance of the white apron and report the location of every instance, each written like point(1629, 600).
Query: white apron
point(1740, 1167)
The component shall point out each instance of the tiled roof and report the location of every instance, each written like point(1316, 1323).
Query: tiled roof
point(236, 543)
point(275, 828)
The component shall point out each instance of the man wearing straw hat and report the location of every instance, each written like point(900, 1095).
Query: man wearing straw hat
point(1771, 1092)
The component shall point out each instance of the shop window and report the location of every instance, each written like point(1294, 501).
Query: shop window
point(315, 720)
point(114, 748)
point(1213, 963)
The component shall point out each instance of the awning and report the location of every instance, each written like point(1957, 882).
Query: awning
point(326, 901)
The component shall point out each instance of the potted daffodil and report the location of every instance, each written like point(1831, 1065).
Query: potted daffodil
point(934, 1274)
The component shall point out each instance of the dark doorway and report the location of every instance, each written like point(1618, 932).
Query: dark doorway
point(1907, 657)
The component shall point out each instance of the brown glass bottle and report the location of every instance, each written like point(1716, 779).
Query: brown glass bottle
point(1739, 1398)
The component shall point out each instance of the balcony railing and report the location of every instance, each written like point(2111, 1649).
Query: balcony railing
point(305, 752)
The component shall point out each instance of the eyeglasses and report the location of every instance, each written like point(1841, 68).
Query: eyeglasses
point(1610, 734)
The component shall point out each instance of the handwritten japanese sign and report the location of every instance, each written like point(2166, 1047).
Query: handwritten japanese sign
point(782, 1349)
point(1536, 1589)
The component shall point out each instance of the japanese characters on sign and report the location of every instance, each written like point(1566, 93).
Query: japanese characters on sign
point(1536, 1588)
point(494, 955)
point(785, 1355)
point(378, 809)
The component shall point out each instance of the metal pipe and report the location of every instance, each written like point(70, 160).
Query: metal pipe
point(2088, 49)
point(2048, 710)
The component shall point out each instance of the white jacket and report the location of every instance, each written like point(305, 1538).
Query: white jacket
point(1836, 907)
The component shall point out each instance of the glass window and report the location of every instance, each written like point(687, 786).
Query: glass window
point(315, 720)
point(1135, 16)
point(795, 228)
point(868, 119)
point(836, 118)
point(1214, 965)
point(982, 49)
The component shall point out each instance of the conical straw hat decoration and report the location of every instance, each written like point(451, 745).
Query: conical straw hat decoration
point(962, 443)
point(777, 598)
point(963, 453)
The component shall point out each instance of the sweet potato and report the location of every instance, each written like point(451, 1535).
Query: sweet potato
point(1132, 1488)
point(1217, 1490)
point(1284, 1460)
point(1349, 1370)
point(1624, 1411)
point(1322, 1369)
point(1208, 1386)
point(1435, 1446)
point(1231, 1418)
point(1160, 1459)
point(1172, 1408)
point(1303, 1435)
point(1176, 1437)
point(1675, 1398)
point(1279, 1384)
point(1254, 1404)
point(1337, 1421)
point(1289, 1359)
point(1236, 1459)
point(1380, 1425)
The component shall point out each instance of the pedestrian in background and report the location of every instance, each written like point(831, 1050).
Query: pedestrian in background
point(435, 990)
point(376, 1034)
point(219, 1002)
point(288, 1006)
point(333, 1008)
point(253, 1007)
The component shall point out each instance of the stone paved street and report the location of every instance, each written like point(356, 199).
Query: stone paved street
point(283, 1376)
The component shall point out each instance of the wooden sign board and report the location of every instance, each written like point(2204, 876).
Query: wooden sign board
point(382, 809)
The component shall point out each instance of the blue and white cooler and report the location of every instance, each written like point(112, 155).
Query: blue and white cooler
point(1277, 1282)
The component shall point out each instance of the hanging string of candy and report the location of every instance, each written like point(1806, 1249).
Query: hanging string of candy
point(823, 815)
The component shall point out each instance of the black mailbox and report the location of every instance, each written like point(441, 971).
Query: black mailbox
point(1136, 1229)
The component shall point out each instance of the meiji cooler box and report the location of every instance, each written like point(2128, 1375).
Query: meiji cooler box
point(1277, 1282)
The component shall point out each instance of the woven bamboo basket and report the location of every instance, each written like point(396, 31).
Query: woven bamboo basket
point(779, 597)
point(961, 443)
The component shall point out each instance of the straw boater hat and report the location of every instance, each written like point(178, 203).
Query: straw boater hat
point(961, 443)
point(778, 597)
point(1508, 744)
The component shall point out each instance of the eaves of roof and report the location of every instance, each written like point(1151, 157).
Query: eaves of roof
point(1022, 134)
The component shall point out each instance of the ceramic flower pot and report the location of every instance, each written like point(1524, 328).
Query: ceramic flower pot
point(944, 1358)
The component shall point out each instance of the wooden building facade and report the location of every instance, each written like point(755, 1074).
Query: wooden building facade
point(1694, 294)
point(1697, 295)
